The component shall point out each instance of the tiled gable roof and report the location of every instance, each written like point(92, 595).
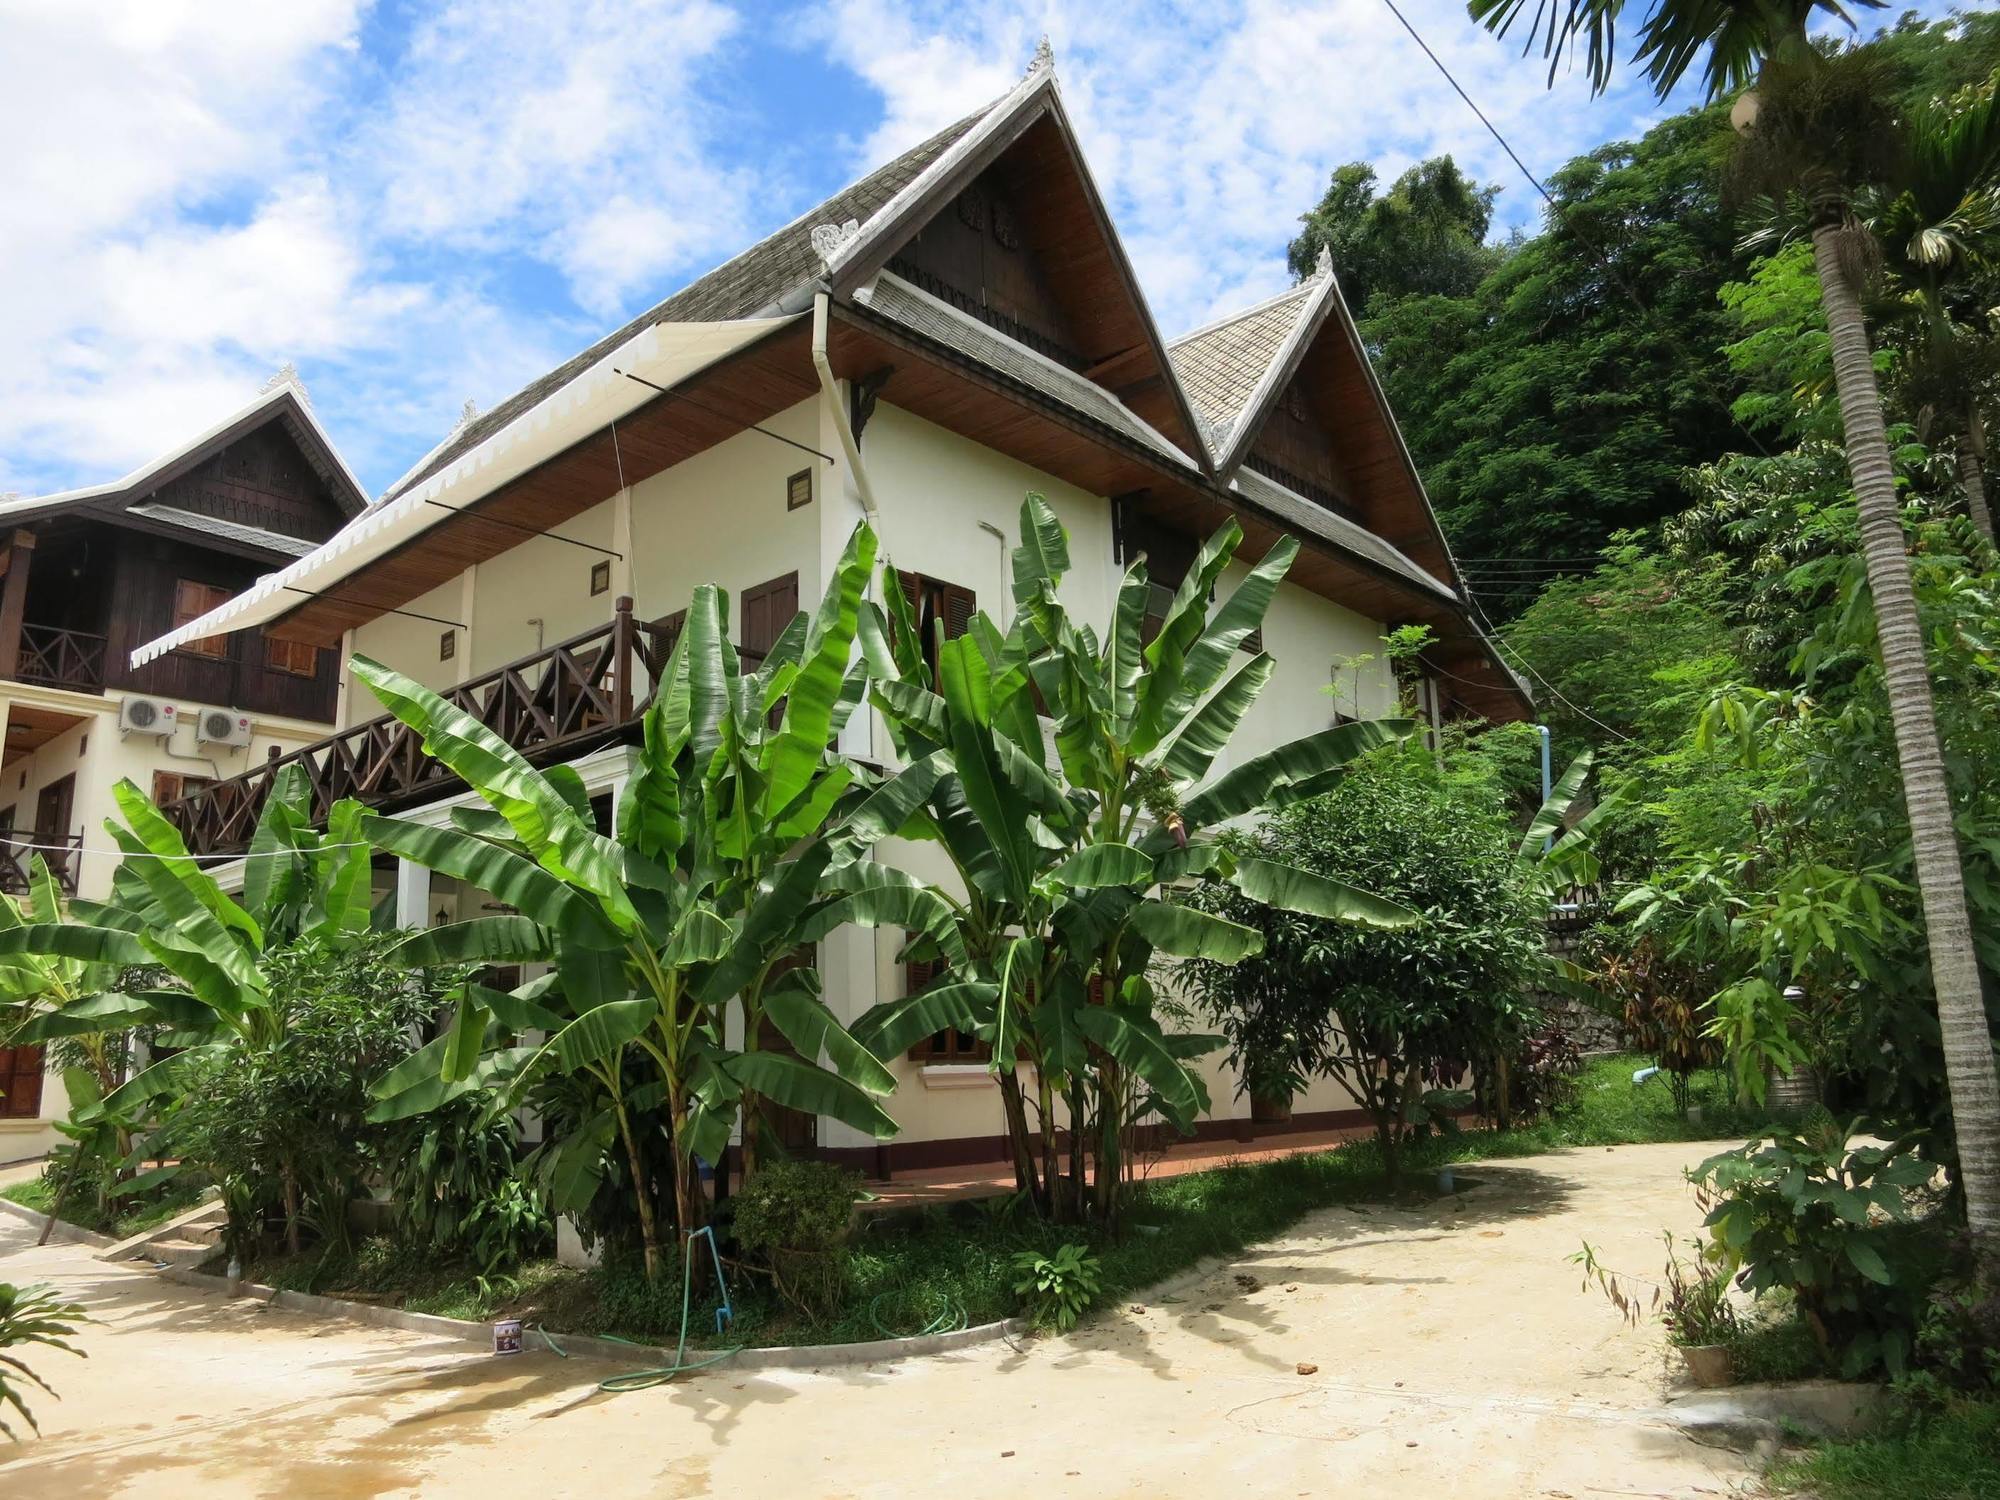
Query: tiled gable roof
point(1221, 364)
point(738, 288)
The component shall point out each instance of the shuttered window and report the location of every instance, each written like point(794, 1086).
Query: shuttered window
point(934, 603)
point(20, 1083)
point(300, 658)
point(171, 786)
point(767, 610)
point(193, 600)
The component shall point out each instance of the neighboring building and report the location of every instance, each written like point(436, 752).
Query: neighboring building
point(953, 330)
point(88, 575)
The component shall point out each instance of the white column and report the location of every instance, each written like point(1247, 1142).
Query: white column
point(413, 894)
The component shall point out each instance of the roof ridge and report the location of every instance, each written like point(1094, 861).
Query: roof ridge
point(1238, 316)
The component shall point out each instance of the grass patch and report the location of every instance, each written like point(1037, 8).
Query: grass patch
point(126, 1220)
point(952, 1262)
point(1952, 1453)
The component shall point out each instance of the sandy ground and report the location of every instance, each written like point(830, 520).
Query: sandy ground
point(1457, 1357)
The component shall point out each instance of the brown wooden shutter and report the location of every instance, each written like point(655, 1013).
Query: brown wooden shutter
point(767, 610)
point(957, 606)
point(21, 1082)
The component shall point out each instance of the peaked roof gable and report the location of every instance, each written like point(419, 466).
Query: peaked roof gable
point(1246, 368)
point(1232, 366)
point(1063, 228)
point(281, 406)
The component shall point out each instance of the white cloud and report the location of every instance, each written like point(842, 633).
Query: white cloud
point(1212, 128)
point(208, 188)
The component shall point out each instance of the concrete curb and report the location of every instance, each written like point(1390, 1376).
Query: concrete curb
point(66, 1232)
point(779, 1357)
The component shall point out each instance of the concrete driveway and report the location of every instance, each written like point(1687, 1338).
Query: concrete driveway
point(1457, 1358)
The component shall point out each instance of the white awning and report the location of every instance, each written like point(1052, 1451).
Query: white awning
point(665, 354)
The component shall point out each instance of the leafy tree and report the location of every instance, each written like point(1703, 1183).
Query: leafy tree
point(727, 834)
point(1386, 1011)
point(285, 1126)
point(1426, 236)
point(1068, 871)
point(1557, 403)
point(1822, 126)
point(168, 916)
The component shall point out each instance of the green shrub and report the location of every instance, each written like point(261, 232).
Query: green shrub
point(795, 1205)
point(1800, 1212)
point(1056, 1289)
point(795, 1215)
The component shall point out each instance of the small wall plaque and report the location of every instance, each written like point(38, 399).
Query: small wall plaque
point(600, 576)
point(447, 645)
point(799, 490)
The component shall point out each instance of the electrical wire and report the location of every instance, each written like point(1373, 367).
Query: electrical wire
point(1604, 261)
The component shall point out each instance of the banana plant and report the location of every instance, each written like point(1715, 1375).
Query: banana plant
point(677, 939)
point(1070, 833)
point(168, 915)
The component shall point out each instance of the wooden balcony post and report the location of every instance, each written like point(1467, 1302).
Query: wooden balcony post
point(624, 641)
point(14, 601)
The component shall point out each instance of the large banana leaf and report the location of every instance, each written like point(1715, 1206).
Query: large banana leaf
point(1291, 889)
point(794, 1007)
point(77, 940)
point(795, 756)
point(796, 1084)
point(1230, 626)
point(1137, 1044)
point(1190, 749)
point(1105, 864)
point(890, 903)
point(1183, 932)
point(113, 1011)
point(891, 1027)
point(598, 1035)
point(157, 848)
point(501, 873)
point(1260, 784)
point(1549, 816)
point(504, 939)
point(541, 817)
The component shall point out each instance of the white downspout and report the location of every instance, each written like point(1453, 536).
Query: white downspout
point(830, 389)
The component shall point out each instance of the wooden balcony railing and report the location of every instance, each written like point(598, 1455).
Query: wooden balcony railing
point(553, 705)
point(61, 658)
point(18, 848)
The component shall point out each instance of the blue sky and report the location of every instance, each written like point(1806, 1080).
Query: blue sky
point(423, 202)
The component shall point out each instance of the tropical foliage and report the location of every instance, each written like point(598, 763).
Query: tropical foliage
point(30, 1316)
point(1071, 830)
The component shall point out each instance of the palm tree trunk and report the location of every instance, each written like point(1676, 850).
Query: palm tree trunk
point(1961, 1002)
point(1972, 470)
point(649, 1236)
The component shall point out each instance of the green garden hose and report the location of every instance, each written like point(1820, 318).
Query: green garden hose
point(639, 1380)
point(949, 1318)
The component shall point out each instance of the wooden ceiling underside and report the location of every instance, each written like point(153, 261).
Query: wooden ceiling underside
point(30, 727)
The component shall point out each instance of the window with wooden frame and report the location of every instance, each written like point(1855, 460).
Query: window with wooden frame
point(20, 1083)
point(933, 603)
point(299, 658)
point(171, 786)
point(945, 1047)
point(192, 600)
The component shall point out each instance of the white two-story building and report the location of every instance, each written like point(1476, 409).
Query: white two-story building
point(953, 330)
